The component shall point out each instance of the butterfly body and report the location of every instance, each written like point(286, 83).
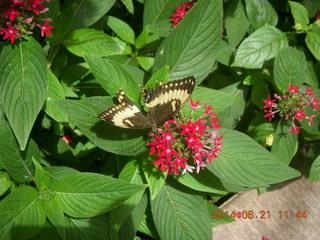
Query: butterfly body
point(163, 103)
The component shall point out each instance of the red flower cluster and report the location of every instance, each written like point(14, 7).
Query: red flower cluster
point(291, 106)
point(19, 17)
point(186, 143)
point(180, 12)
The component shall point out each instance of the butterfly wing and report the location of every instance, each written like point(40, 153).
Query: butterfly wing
point(168, 98)
point(125, 114)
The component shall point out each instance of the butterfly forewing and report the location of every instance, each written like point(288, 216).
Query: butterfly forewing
point(163, 103)
point(125, 115)
point(167, 99)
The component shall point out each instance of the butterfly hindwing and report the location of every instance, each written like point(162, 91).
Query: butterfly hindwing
point(125, 114)
point(168, 98)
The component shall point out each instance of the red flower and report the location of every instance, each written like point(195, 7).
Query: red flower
point(269, 102)
point(299, 115)
point(12, 13)
point(291, 106)
point(181, 11)
point(45, 29)
point(293, 89)
point(186, 144)
point(294, 129)
point(10, 33)
point(35, 5)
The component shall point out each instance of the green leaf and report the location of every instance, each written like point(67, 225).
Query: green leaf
point(145, 62)
point(113, 77)
point(219, 216)
point(23, 86)
point(285, 145)
point(63, 23)
point(313, 43)
point(162, 75)
point(130, 227)
point(42, 180)
point(17, 163)
point(116, 140)
point(299, 13)
point(121, 28)
point(204, 181)
point(260, 129)
point(90, 194)
point(129, 5)
point(234, 15)
point(156, 11)
point(219, 102)
point(90, 11)
point(184, 211)
point(55, 91)
point(4, 182)
point(224, 53)
point(260, 91)
point(131, 174)
point(244, 162)
point(315, 170)
point(21, 214)
point(142, 39)
point(190, 48)
point(290, 66)
point(261, 13)
point(88, 228)
point(92, 42)
point(161, 29)
point(230, 117)
point(154, 177)
point(259, 47)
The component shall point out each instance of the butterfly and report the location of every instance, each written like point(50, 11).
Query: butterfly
point(163, 102)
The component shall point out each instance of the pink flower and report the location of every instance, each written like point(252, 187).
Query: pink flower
point(67, 139)
point(186, 144)
point(265, 238)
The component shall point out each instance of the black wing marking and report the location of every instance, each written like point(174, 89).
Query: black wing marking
point(168, 98)
point(125, 115)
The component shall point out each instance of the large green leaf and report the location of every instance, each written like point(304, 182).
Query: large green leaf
point(313, 43)
point(299, 13)
point(259, 47)
point(261, 13)
point(235, 14)
point(92, 42)
point(285, 145)
point(156, 11)
point(90, 11)
point(17, 163)
point(184, 211)
point(22, 215)
point(290, 66)
point(84, 114)
point(190, 48)
point(23, 88)
point(131, 174)
point(244, 162)
point(4, 182)
point(130, 226)
point(113, 77)
point(90, 194)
